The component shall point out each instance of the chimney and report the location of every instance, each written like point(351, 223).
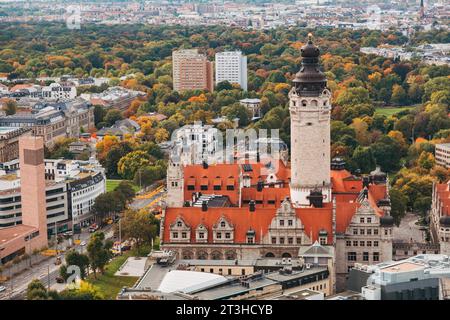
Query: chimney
point(259, 186)
point(204, 206)
point(366, 182)
point(252, 206)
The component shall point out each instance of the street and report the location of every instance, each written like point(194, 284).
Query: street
point(46, 271)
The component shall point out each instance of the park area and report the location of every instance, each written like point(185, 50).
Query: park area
point(109, 284)
point(112, 184)
point(389, 111)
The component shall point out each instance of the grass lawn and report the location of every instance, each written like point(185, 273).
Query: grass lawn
point(109, 284)
point(389, 111)
point(111, 184)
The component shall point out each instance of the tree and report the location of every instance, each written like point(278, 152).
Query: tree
point(239, 111)
point(74, 258)
point(108, 203)
point(353, 97)
point(98, 252)
point(130, 163)
point(85, 291)
point(399, 95)
point(387, 153)
point(99, 114)
point(398, 205)
point(139, 225)
point(224, 85)
point(112, 116)
point(364, 159)
point(10, 107)
point(126, 189)
point(36, 291)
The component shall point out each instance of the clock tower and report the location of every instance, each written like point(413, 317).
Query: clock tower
point(310, 109)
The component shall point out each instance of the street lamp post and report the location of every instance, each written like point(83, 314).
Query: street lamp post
point(120, 237)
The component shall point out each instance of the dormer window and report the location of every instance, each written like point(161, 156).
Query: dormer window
point(179, 224)
point(222, 224)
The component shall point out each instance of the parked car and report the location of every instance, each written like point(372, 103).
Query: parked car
point(83, 243)
point(60, 280)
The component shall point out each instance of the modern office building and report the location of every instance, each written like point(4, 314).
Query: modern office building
point(231, 66)
point(418, 278)
point(191, 71)
point(32, 233)
point(442, 155)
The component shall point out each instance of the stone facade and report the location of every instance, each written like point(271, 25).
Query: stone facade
point(440, 218)
point(310, 146)
point(9, 142)
point(366, 240)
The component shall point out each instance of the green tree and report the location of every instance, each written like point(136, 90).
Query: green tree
point(224, 85)
point(398, 205)
point(112, 116)
point(98, 252)
point(364, 159)
point(74, 258)
point(140, 226)
point(10, 107)
point(130, 163)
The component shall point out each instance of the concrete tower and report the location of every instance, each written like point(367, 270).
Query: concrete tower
point(175, 184)
point(32, 186)
point(310, 108)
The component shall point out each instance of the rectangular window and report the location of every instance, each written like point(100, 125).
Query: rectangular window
point(365, 256)
point(219, 235)
point(230, 188)
point(369, 232)
point(204, 187)
point(369, 220)
point(348, 243)
point(274, 240)
point(191, 187)
point(243, 272)
point(355, 231)
point(323, 240)
point(290, 240)
point(250, 240)
point(227, 235)
point(369, 243)
point(281, 240)
point(351, 256)
point(361, 220)
point(376, 256)
point(290, 223)
point(282, 223)
point(355, 243)
point(229, 272)
point(175, 235)
point(361, 243)
point(201, 235)
point(217, 187)
point(184, 235)
point(375, 231)
point(299, 240)
point(361, 232)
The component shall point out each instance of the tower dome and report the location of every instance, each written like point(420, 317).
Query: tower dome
point(310, 81)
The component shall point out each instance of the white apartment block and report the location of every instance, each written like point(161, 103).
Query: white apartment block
point(443, 155)
point(59, 91)
point(231, 66)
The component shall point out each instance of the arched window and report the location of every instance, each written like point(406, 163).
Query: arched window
point(230, 255)
point(216, 255)
point(286, 255)
point(269, 255)
point(304, 103)
point(187, 255)
point(202, 255)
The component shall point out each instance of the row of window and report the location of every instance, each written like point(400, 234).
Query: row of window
point(205, 187)
point(352, 256)
point(368, 232)
point(355, 243)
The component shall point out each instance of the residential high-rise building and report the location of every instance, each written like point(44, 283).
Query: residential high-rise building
point(231, 66)
point(191, 71)
point(310, 109)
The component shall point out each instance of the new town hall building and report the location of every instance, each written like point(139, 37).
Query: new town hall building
point(248, 211)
